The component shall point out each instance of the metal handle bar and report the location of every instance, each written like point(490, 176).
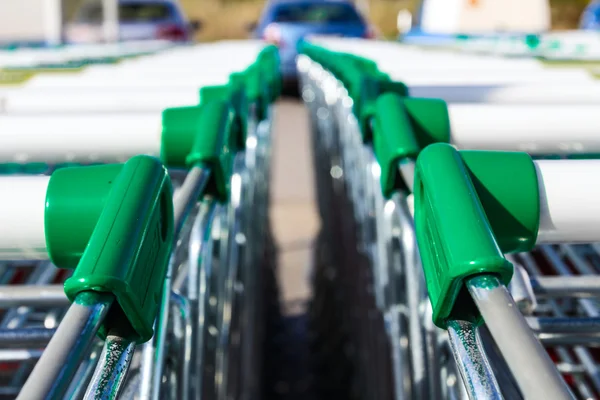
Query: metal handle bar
point(67, 348)
point(32, 296)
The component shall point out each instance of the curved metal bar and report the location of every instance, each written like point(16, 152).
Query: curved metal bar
point(53, 372)
point(474, 367)
point(112, 368)
point(522, 351)
point(153, 351)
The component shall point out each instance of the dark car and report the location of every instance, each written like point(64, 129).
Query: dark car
point(286, 22)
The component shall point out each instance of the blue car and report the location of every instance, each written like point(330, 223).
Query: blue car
point(286, 22)
point(590, 18)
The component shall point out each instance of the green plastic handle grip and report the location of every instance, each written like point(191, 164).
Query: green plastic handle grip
point(236, 96)
point(471, 207)
point(114, 225)
point(204, 134)
point(366, 91)
point(402, 127)
point(269, 61)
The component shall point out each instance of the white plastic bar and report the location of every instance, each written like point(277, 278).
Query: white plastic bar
point(22, 203)
point(547, 129)
point(139, 81)
point(472, 77)
point(79, 138)
point(141, 76)
point(395, 55)
point(569, 201)
point(162, 52)
point(33, 57)
point(219, 54)
point(553, 93)
point(95, 100)
point(447, 67)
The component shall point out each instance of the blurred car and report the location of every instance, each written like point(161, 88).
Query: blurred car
point(138, 20)
point(590, 18)
point(286, 22)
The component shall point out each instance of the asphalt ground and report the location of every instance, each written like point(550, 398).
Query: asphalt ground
point(295, 224)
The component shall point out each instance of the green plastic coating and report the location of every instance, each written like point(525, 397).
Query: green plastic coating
point(210, 132)
point(402, 127)
point(368, 89)
point(75, 199)
point(180, 126)
point(429, 119)
point(507, 186)
point(234, 93)
point(215, 145)
point(462, 201)
point(393, 140)
point(114, 225)
point(268, 59)
point(204, 134)
point(238, 96)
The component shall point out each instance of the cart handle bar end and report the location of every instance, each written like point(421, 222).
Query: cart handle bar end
point(471, 207)
point(114, 225)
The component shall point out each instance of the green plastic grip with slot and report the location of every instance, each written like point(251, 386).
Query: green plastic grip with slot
point(114, 225)
point(206, 135)
point(471, 207)
point(237, 98)
point(269, 61)
point(402, 127)
point(366, 91)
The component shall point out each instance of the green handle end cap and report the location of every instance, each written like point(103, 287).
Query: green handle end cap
point(114, 225)
point(215, 146)
point(402, 127)
point(461, 203)
point(234, 93)
point(207, 134)
point(365, 98)
point(180, 128)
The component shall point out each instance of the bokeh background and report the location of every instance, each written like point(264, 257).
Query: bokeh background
point(229, 19)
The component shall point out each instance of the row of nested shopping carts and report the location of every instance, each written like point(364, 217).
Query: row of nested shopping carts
point(136, 251)
point(558, 46)
point(458, 255)
point(135, 240)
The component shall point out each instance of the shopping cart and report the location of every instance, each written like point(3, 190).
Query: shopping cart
point(206, 286)
point(345, 116)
